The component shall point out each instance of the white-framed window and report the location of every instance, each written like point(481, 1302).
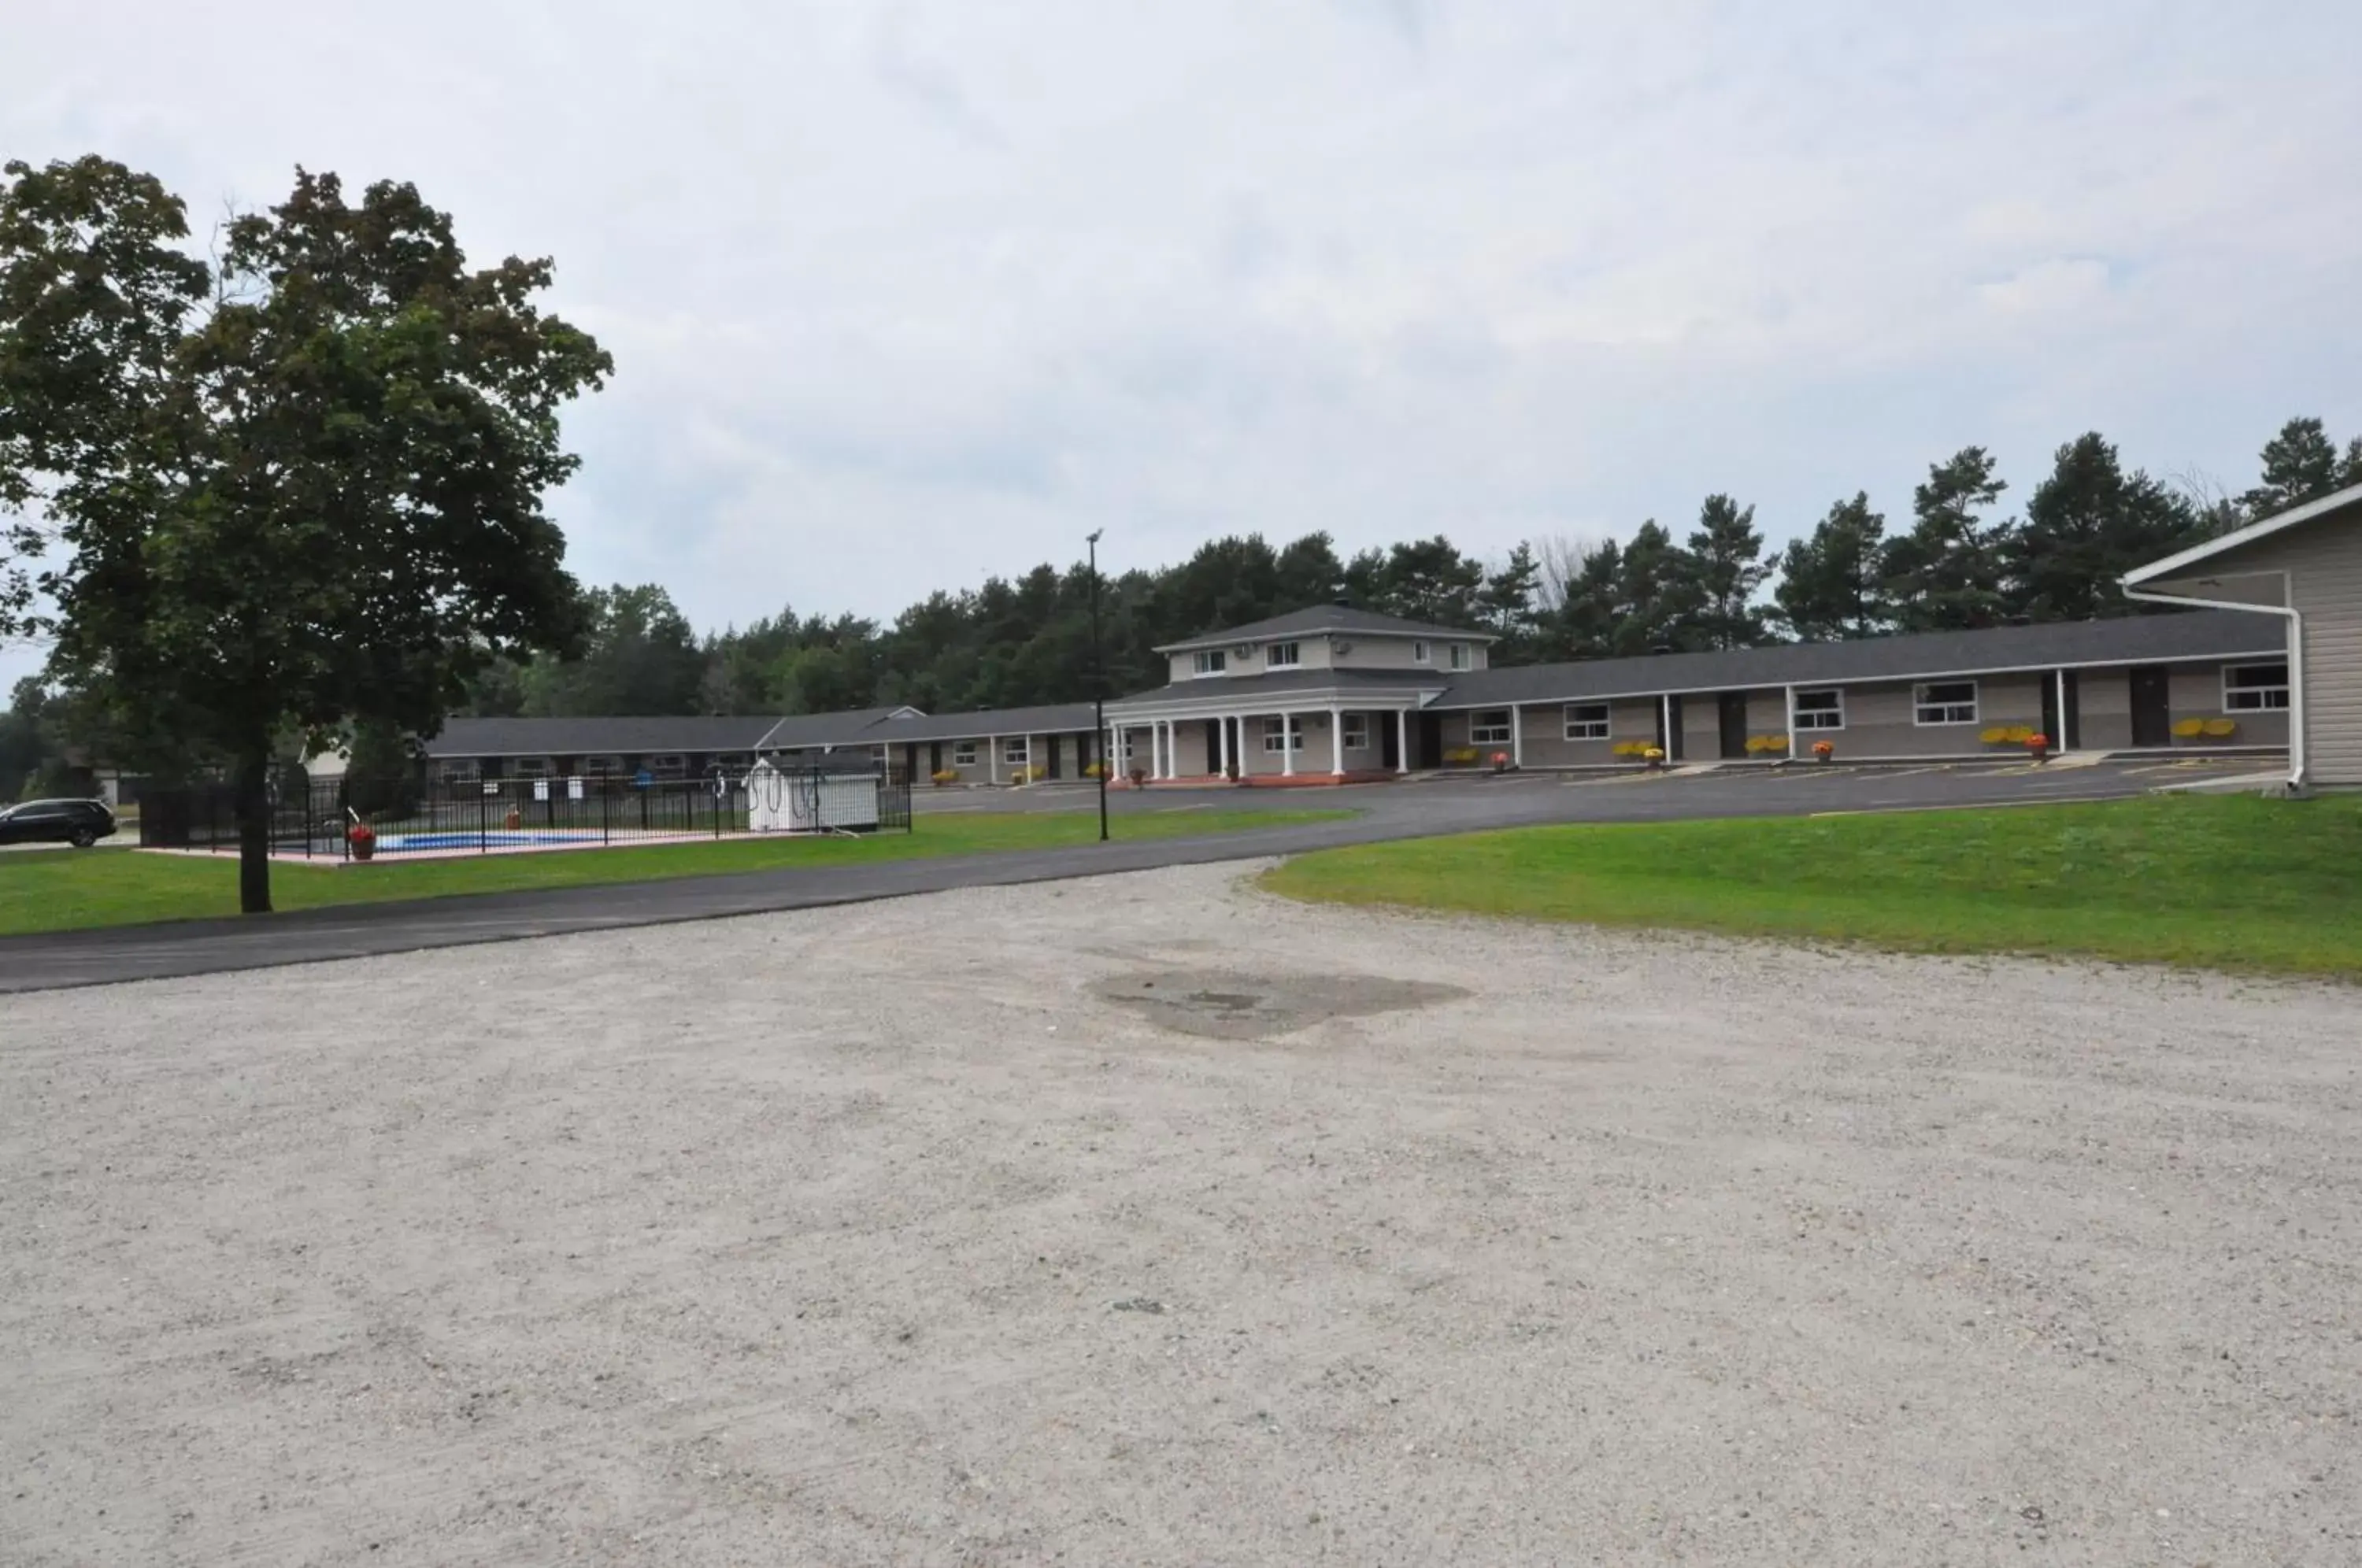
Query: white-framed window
point(1824, 708)
point(963, 754)
point(599, 765)
point(1356, 732)
point(461, 771)
point(1586, 721)
point(1285, 656)
point(530, 767)
point(665, 764)
point(2254, 688)
point(1944, 703)
point(1283, 734)
point(1418, 653)
point(1013, 749)
point(1488, 726)
point(1211, 661)
point(1460, 655)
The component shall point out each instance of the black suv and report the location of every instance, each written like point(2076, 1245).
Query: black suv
point(79, 823)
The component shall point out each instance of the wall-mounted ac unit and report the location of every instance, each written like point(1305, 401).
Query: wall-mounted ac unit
point(1340, 644)
point(1244, 650)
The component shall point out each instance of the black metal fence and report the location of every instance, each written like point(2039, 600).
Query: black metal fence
point(349, 817)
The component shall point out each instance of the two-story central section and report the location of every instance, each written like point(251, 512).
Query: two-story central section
point(1328, 692)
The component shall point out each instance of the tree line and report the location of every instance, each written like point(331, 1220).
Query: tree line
point(1954, 563)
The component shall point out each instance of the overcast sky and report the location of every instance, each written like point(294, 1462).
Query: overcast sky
point(904, 295)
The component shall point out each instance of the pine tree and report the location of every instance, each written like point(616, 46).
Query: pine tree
point(1945, 573)
point(2301, 464)
point(2086, 525)
point(1831, 584)
point(1585, 625)
point(1726, 557)
point(1658, 600)
point(1509, 604)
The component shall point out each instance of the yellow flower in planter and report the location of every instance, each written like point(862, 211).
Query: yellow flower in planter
point(2189, 729)
point(2218, 729)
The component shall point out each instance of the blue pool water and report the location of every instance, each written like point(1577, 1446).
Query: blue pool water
point(394, 844)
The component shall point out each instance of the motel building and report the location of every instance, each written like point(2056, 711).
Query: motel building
point(1335, 694)
point(2261, 652)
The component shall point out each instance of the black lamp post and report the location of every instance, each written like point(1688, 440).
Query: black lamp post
point(1098, 687)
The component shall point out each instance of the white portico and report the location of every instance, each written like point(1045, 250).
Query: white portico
point(1329, 693)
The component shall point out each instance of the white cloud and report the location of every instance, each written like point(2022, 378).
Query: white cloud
point(903, 295)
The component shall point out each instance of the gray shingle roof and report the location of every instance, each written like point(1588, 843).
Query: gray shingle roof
point(629, 736)
point(799, 731)
point(1320, 618)
point(1216, 689)
point(1054, 717)
point(2136, 639)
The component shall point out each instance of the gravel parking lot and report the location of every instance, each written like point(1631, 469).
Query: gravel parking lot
point(1150, 1219)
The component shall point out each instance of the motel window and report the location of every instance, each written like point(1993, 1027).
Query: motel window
point(1211, 661)
point(602, 765)
point(1586, 721)
point(1826, 710)
point(1357, 731)
point(1283, 734)
point(666, 764)
point(2254, 688)
point(1460, 655)
point(531, 767)
point(1490, 727)
point(1285, 656)
point(1418, 653)
point(1013, 749)
point(462, 770)
point(963, 754)
point(1944, 703)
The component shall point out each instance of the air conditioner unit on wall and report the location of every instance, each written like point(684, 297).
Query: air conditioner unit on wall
point(1339, 644)
point(1244, 650)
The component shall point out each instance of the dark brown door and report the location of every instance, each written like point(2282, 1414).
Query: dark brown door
point(2152, 707)
point(1430, 741)
point(1389, 740)
point(1733, 706)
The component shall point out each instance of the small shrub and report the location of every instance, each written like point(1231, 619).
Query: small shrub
point(1461, 756)
point(943, 776)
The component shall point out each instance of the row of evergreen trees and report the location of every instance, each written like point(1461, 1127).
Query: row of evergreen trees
point(1957, 562)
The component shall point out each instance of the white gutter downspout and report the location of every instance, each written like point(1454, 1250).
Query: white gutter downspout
point(2295, 618)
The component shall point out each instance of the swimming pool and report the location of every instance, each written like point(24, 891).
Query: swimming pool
point(394, 842)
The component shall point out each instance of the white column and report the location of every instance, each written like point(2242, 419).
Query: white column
point(1402, 740)
point(992, 756)
point(2059, 741)
point(1792, 721)
point(1665, 723)
point(1287, 744)
point(1223, 763)
point(1029, 759)
point(1171, 752)
point(1336, 740)
point(1517, 736)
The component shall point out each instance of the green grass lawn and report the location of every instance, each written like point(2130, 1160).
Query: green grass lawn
point(70, 890)
point(2230, 882)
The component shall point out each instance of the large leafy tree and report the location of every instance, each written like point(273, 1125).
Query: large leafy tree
point(1831, 582)
point(1946, 574)
point(1727, 559)
point(292, 491)
point(1590, 605)
point(2086, 525)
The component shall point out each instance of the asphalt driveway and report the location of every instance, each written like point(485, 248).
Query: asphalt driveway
point(1386, 811)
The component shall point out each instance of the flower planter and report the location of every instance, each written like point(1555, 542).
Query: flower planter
point(363, 843)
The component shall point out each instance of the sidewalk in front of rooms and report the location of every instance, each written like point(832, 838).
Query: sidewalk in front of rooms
point(1998, 758)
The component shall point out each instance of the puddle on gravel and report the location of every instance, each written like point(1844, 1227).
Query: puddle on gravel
point(1225, 1004)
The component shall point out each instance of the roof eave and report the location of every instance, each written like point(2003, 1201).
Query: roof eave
point(2238, 539)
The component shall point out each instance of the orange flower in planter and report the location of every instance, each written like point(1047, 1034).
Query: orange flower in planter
point(1824, 749)
point(1500, 762)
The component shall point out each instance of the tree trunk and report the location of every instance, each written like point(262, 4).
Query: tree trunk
point(254, 831)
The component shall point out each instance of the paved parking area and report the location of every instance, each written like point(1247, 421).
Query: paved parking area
point(1148, 1220)
point(1386, 811)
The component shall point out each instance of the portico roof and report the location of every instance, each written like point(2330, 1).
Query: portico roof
point(1340, 620)
point(1284, 690)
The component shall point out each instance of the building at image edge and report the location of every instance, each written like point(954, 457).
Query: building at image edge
point(1328, 692)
